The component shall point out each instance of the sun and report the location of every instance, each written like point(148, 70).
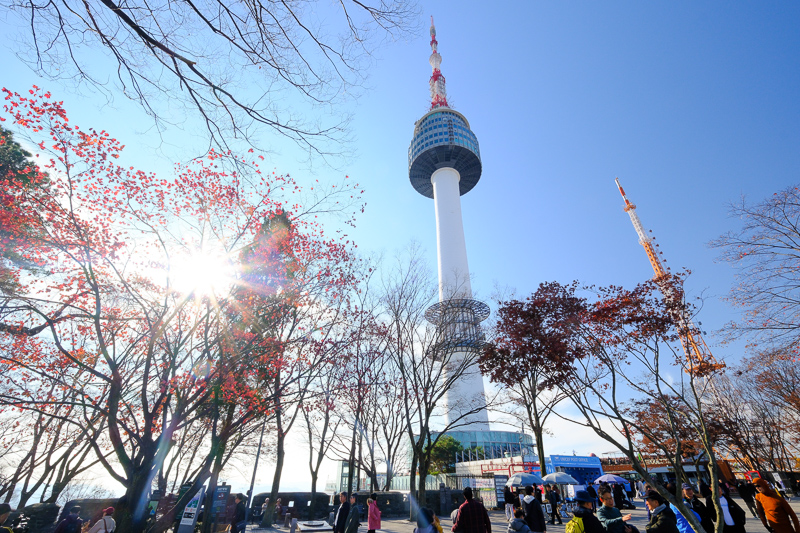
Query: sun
point(202, 273)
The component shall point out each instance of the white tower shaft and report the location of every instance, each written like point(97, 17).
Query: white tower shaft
point(450, 244)
point(465, 393)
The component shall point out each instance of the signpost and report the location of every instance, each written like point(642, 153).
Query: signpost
point(499, 488)
point(220, 505)
point(189, 518)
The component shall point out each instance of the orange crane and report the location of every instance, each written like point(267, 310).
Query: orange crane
point(701, 360)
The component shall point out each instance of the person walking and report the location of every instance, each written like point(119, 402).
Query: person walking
point(775, 513)
point(106, 524)
point(610, 516)
point(662, 518)
point(554, 498)
point(472, 516)
point(373, 514)
point(748, 493)
point(239, 520)
point(508, 497)
point(351, 526)
point(340, 518)
point(640, 489)
point(534, 516)
point(733, 516)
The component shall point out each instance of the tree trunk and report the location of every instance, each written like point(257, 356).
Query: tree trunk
point(540, 452)
point(213, 481)
point(351, 459)
point(280, 454)
point(412, 482)
point(128, 517)
point(313, 508)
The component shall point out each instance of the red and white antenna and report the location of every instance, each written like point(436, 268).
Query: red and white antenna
point(438, 91)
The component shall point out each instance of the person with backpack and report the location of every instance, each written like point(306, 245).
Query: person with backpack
point(70, 523)
point(106, 524)
point(584, 520)
point(534, 516)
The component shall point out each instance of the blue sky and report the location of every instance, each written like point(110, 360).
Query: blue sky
point(690, 104)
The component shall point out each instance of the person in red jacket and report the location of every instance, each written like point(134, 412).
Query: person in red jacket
point(472, 516)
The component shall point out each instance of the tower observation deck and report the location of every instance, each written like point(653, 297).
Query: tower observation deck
point(444, 163)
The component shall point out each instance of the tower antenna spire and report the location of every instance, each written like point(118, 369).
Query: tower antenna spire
point(694, 346)
point(438, 90)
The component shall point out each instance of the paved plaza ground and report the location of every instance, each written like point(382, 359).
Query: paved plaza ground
point(499, 524)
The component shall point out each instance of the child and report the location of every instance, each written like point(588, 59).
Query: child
point(518, 525)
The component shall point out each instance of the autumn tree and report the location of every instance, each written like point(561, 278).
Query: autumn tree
point(109, 240)
point(765, 250)
point(531, 352)
point(624, 349)
point(228, 64)
point(763, 428)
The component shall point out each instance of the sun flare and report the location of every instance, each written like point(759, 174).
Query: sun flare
point(203, 274)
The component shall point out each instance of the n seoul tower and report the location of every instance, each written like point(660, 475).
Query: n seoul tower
point(444, 163)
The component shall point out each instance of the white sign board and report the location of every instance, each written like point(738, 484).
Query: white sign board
point(189, 518)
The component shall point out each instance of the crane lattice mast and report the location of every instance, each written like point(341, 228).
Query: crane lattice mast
point(700, 357)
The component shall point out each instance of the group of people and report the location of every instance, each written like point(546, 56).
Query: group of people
point(103, 522)
point(764, 502)
point(348, 515)
point(529, 515)
point(514, 502)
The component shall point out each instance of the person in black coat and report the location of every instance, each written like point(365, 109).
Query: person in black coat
point(554, 498)
point(508, 497)
point(748, 493)
point(619, 495)
point(662, 518)
point(340, 518)
point(239, 515)
point(593, 493)
point(534, 516)
point(591, 524)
